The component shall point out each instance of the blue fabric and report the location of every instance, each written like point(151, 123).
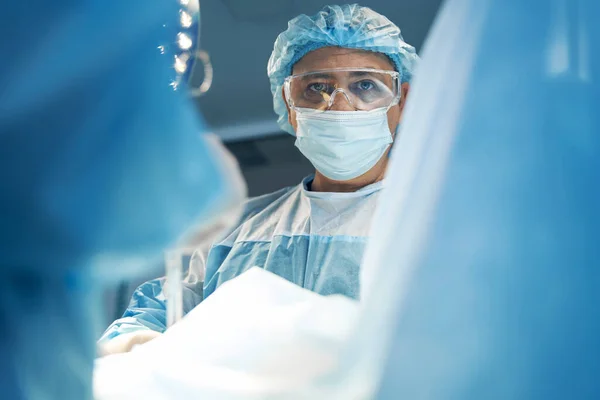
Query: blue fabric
point(147, 309)
point(349, 26)
point(99, 160)
point(496, 247)
point(315, 240)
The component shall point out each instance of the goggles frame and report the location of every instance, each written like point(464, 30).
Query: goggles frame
point(395, 76)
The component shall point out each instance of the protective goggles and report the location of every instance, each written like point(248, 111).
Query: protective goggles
point(365, 89)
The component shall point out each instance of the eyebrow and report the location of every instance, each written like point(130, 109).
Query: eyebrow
point(317, 76)
point(361, 73)
point(325, 75)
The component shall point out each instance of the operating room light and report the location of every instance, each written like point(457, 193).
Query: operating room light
point(185, 19)
point(181, 63)
point(184, 41)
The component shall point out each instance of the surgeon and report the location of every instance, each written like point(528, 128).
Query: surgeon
point(340, 80)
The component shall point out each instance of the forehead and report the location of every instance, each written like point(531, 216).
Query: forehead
point(337, 57)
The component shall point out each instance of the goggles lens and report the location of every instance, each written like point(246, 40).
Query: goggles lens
point(364, 89)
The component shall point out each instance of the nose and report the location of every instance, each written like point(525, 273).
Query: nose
point(339, 101)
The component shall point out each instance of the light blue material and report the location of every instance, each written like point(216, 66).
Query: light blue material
point(348, 26)
point(489, 235)
point(99, 160)
point(147, 308)
point(313, 239)
point(343, 145)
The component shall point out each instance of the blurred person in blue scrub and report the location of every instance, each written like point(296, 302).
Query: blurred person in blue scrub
point(492, 263)
point(102, 165)
point(339, 80)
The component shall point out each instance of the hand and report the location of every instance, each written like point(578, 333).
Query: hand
point(124, 343)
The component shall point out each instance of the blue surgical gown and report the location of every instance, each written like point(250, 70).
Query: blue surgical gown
point(313, 239)
point(100, 160)
point(492, 261)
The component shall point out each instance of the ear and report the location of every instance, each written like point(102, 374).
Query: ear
point(405, 88)
point(286, 105)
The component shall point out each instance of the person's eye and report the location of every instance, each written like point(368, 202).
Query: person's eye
point(366, 85)
point(317, 87)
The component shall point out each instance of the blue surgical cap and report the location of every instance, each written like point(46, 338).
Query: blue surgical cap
point(349, 26)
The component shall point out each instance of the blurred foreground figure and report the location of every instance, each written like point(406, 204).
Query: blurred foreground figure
point(492, 264)
point(102, 165)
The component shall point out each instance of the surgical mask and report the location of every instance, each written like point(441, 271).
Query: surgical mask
point(342, 145)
